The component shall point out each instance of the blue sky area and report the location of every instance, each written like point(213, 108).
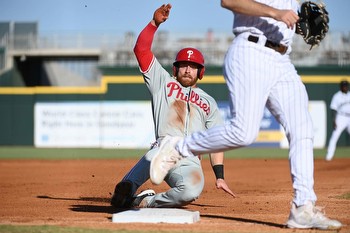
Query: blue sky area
point(118, 16)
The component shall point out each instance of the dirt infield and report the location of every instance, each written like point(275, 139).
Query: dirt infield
point(77, 193)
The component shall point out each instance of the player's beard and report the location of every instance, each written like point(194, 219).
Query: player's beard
point(187, 80)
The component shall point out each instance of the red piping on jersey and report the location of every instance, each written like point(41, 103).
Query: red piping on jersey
point(143, 46)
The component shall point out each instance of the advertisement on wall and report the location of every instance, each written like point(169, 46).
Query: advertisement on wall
point(115, 124)
point(318, 112)
point(129, 124)
point(272, 134)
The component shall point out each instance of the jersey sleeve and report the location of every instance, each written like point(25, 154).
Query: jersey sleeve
point(142, 49)
point(335, 102)
point(156, 77)
point(153, 73)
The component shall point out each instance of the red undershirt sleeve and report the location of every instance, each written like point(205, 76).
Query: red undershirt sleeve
point(143, 46)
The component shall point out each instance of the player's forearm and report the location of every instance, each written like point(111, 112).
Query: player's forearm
point(253, 8)
point(216, 158)
point(333, 114)
point(217, 163)
point(143, 46)
point(249, 7)
point(153, 22)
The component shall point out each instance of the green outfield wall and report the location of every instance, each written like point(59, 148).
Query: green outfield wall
point(17, 103)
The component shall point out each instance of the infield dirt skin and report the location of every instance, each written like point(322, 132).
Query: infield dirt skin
point(77, 193)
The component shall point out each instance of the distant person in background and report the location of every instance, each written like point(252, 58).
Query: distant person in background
point(340, 107)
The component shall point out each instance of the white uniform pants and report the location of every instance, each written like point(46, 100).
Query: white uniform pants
point(257, 76)
point(342, 122)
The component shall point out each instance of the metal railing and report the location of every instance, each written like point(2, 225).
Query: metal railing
point(118, 49)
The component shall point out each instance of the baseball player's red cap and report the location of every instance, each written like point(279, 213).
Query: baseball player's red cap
point(191, 55)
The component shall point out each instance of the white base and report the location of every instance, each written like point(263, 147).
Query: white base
point(156, 215)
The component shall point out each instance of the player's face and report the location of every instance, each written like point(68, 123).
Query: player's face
point(344, 88)
point(187, 74)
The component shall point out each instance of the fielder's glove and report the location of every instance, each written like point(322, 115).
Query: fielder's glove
point(313, 23)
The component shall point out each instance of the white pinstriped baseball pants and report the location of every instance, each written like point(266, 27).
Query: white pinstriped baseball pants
point(257, 76)
point(343, 122)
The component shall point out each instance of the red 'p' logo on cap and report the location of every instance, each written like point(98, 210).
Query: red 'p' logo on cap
point(189, 52)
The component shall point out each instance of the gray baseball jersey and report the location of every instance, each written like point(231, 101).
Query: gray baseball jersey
point(177, 110)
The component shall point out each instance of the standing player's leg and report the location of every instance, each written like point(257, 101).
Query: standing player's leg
point(288, 102)
point(342, 123)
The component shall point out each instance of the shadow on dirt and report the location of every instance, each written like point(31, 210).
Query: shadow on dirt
point(244, 220)
point(92, 208)
point(87, 207)
point(94, 199)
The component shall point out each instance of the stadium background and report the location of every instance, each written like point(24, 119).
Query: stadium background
point(68, 190)
point(40, 69)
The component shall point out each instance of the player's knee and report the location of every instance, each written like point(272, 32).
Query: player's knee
point(150, 154)
point(247, 140)
point(241, 137)
point(303, 132)
point(307, 130)
point(188, 193)
point(187, 196)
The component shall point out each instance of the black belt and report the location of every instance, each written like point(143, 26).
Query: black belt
point(282, 49)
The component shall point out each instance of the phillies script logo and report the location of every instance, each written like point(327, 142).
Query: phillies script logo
point(176, 90)
point(189, 52)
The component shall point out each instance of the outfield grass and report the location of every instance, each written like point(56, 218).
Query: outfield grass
point(8, 152)
point(68, 153)
point(49, 229)
point(58, 229)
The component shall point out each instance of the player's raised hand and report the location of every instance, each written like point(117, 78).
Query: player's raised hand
point(161, 14)
point(221, 184)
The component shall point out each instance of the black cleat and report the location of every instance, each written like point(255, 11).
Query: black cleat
point(122, 196)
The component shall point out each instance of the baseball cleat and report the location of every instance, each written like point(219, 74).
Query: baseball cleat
point(122, 196)
point(309, 216)
point(164, 159)
point(142, 199)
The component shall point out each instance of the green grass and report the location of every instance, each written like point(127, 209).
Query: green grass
point(344, 196)
point(58, 229)
point(8, 152)
point(67, 153)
